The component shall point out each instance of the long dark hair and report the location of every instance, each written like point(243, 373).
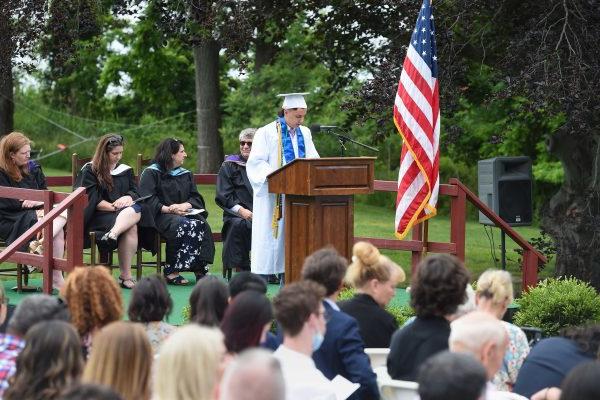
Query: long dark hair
point(164, 153)
point(208, 301)
point(50, 362)
point(245, 319)
point(100, 161)
point(150, 300)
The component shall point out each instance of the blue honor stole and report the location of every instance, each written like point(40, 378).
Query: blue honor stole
point(286, 142)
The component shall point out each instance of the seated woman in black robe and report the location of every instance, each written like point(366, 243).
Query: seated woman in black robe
point(234, 196)
point(177, 211)
point(111, 210)
point(16, 216)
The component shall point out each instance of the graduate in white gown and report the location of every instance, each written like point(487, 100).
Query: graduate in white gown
point(275, 145)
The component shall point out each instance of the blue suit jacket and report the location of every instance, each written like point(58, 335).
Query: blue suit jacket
point(343, 353)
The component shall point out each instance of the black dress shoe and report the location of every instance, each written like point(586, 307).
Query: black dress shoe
point(108, 242)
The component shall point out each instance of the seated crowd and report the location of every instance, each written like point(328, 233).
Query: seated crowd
point(239, 345)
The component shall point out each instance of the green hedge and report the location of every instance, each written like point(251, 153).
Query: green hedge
point(557, 303)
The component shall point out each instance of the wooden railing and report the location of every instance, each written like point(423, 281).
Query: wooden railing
point(75, 202)
point(459, 195)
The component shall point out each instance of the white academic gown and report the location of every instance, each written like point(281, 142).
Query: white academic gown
point(267, 254)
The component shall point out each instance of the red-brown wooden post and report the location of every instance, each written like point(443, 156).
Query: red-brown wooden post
point(458, 221)
point(48, 261)
point(75, 233)
point(530, 267)
point(417, 254)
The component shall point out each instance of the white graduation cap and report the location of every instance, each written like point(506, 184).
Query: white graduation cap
point(293, 100)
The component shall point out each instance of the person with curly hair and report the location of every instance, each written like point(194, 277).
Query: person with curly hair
point(94, 300)
point(50, 362)
point(438, 288)
point(375, 278)
point(122, 360)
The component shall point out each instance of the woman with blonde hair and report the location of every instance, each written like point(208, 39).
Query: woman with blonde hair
point(50, 362)
point(111, 190)
point(190, 364)
point(493, 295)
point(94, 300)
point(122, 359)
point(375, 277)
point(17, 170)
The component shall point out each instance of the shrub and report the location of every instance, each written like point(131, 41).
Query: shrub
point(558, 303)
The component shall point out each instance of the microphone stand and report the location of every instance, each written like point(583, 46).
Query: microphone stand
point(342, 139)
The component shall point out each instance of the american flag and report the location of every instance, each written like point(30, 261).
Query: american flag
point(417, 117)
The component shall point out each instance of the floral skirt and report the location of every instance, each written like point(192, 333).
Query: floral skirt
point(192, 248)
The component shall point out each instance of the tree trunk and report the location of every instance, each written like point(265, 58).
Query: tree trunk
point(572, 217)
point(208, 116)
point(7, 108)
point(265, 53)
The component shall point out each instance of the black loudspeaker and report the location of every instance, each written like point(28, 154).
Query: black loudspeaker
point(505, 185)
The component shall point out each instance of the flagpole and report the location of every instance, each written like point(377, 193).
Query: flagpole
point(425, 238)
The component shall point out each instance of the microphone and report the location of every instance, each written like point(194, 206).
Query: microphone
point(318, 128)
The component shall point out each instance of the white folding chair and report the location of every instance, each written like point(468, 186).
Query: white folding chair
point(390, 389)
point(377, 356)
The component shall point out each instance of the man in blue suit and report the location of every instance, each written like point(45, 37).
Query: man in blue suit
point(342, 351)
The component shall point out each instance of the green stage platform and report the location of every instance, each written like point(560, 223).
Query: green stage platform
point(179, 294)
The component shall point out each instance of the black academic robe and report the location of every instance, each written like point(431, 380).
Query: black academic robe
point(14, 220)
point(166, 189)
point(123, 185)
point(233, 188)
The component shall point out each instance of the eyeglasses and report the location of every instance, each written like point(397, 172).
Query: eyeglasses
point(115, 140)
point(243, 143)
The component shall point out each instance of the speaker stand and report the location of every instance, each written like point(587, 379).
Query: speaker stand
point(503, 249)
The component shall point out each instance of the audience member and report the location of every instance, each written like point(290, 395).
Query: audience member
point(150, 303)
point(121, 359)
point(551, 359)
point(375, 278)
point(208, 301)
point(94, 300)
point(89, 391)
point(300, 313)
point(178, 212)
point(246, 280)
point(189, 364)
point(50, 362)
point(234, 195)
point(494, 294)
point(342, 351)
point(247, 320)
point(438, 288)
point(17, 170)
point(483, 336)
point(582, 383)
point(33, 309)
point(254, 374)
point(111, 211)
point(451, 376)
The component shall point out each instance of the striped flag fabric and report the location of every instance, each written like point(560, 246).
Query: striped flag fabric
point(417, 118)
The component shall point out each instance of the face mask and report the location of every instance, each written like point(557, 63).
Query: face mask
point(317, 340)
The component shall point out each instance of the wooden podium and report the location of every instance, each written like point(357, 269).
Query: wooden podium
point(319, 205)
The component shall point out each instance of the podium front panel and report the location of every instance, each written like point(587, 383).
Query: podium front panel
point(313, 223)
point(347, 179)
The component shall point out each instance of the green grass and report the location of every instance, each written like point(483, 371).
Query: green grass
point(377, 221)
